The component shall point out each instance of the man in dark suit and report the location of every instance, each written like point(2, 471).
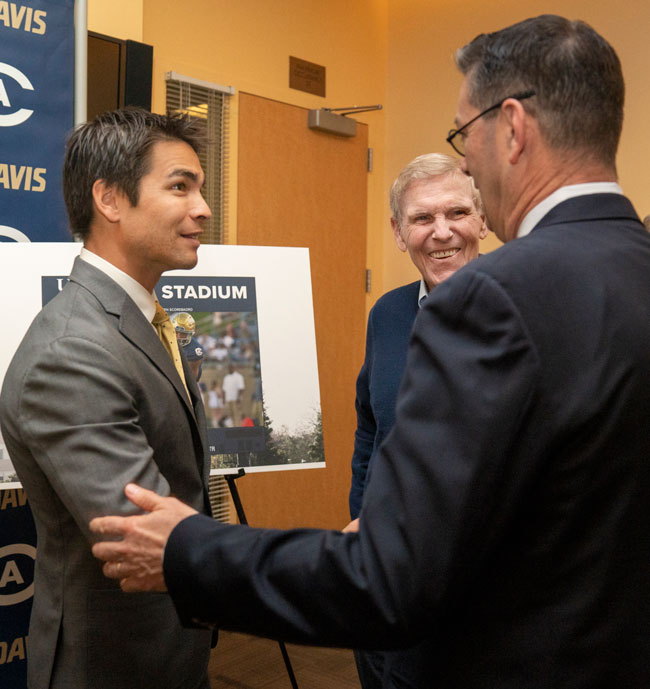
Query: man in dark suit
point(506, 522)
point(93, 399)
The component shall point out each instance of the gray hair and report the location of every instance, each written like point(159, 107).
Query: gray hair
point(116, 147)
point(425, 167)
point(574, 72)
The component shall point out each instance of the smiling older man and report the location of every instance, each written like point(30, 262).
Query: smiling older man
point(438, 218)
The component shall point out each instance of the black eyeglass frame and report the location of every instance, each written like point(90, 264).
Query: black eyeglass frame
point(453, 133)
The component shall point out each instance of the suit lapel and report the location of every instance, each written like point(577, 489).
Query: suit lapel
point(133, 326)
point(139, 332)
point(199, 415)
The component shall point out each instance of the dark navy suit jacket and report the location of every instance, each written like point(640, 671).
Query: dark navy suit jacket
point(507, 521)
point(389, 330)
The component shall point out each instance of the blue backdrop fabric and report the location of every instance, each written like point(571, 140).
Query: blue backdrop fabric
point(36, 113)
point(17, 550)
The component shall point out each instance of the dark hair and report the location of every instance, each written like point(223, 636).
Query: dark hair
point(574, 72)
point(116, 147)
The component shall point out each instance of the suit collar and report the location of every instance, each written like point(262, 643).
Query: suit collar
point(568, 191)
point(590, 207)
point(107, 292)
point(131, 323)
point(144, 300)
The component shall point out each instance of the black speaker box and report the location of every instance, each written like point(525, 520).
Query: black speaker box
point(119, 74)
point(137, 77)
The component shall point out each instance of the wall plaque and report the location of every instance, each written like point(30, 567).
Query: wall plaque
point(306, 76)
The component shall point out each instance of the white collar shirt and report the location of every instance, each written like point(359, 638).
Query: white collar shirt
point(144, 300)
point(424, 292)
point(562, 194)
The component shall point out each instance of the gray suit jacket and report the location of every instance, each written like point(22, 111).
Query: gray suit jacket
point(91, 401)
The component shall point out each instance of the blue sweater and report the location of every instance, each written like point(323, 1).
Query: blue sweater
point(389, 330)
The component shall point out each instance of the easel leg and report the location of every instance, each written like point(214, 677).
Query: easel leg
point(241, 515)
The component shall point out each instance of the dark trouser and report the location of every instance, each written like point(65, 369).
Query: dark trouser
point(392, 669)
point(370, 667)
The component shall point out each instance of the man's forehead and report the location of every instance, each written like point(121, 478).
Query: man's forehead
point(175, 153)
point(441, 192)
point(175, 159)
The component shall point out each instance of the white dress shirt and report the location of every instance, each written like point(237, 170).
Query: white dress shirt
point(562, 194)
point(144, 300)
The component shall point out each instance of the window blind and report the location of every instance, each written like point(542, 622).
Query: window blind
point(208, 104)
point(219, 499)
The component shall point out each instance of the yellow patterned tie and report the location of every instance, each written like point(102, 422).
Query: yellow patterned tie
point(167, 334)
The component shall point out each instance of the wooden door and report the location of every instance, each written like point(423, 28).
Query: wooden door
point(299, 187)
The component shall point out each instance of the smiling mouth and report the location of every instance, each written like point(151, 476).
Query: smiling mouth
point(446, 253)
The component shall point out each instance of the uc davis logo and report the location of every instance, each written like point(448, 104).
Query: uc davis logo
point(19, 116)
point(16, 573)
point(12, 233)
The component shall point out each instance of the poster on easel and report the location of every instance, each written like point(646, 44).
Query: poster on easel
point(244, 317)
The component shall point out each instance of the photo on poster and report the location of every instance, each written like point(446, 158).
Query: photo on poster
point(216, 327)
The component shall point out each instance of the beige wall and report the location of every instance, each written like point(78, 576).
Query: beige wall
point(119, 18)
point(395, 52)
point(422, 82)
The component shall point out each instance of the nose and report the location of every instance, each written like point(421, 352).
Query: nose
point(201, 210)
point(441, 230)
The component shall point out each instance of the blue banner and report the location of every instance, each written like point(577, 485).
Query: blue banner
point(36, 114)
point(17, 556)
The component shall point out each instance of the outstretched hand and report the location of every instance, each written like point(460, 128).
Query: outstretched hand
point(137, 559)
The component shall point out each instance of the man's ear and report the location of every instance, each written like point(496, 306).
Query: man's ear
point(401, 245)
point(483, 232)
point(106, 200)
point(515, 119)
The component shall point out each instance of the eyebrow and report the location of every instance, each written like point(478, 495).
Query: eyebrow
point(182, 172)
point(450, 207)
point(188, 174)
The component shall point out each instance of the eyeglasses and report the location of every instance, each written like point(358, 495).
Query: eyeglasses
point(459, 144)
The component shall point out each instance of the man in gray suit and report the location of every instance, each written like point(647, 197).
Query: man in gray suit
point(92, 399)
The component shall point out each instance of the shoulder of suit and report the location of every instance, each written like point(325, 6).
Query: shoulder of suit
point(100, 287)
point(400, 297)
point(529, 263)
